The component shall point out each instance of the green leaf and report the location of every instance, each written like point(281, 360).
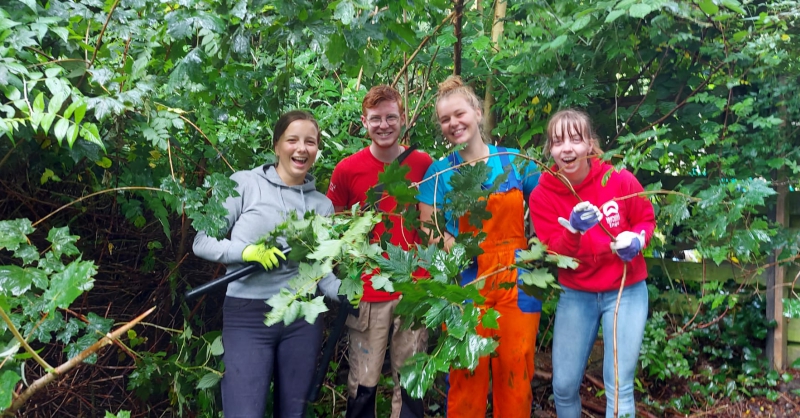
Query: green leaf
point(640, 10)
point(38, 103)
point(60, 129)
point(345, 12)
point(581, 23)
point(217, 349)
point(327, 249)
point(708, 7)
point(67, 285)
point(8, 381)
point(539, 277)
point(446, 39)
point(209, 380)
point(337, 46)
point(562, 261)
point(14, 280)
point(13, 233)
point(489, 319)
point(63, 242)
point(558, 42)
point(472, 349)
point(614, 15)
point(311, 309)
point(734, 5)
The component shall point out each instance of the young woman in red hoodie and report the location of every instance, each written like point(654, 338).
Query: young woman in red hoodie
point(568, 226)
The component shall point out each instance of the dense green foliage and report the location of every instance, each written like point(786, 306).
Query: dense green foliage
point(693, 96)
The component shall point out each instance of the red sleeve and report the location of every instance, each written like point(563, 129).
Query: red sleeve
point(545, 223)
point(640, 213)
point(337, 189)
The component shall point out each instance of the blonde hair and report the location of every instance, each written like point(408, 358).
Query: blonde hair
point(455, 85)
point(573, 121)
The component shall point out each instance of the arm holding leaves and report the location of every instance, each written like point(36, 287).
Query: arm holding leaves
point(223, 250)
point(544, 217)
point(426, 216)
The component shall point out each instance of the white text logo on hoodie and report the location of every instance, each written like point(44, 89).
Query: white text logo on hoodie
point(611, 213)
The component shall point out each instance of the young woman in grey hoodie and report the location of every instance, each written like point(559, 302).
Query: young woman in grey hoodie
point(253, 351)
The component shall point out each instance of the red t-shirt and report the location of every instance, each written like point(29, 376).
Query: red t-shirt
point(351, 180)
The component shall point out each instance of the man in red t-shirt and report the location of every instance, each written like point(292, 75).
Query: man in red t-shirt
point(383, 117)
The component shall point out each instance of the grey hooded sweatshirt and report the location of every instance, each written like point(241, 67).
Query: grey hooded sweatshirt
point(263, 203)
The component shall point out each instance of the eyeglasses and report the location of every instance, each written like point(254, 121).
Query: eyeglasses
point(376, 121)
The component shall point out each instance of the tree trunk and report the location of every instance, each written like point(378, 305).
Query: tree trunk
point(459, 8)
point(488, 100)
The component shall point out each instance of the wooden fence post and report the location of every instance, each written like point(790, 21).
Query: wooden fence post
point(777, 343)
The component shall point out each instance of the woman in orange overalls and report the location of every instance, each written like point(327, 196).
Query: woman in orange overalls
point(511, 368)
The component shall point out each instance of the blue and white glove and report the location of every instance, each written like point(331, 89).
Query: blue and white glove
point(584, 216)
point(628, 245)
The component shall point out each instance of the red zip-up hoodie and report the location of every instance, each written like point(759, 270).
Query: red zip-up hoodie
point(599, 269)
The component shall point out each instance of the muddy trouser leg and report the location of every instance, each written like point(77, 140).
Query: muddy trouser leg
point(249, 357)
point(512, 366)
point(369, 334)
point(405, 343)
point(295, 364)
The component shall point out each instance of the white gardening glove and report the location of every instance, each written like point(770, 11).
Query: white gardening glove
point(584, 216)
point(628, 245)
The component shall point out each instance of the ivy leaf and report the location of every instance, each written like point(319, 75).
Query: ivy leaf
point(209, 380)
point(8, 381)
point(63, 242)
point(98, 324)
point(81, 344)
point(311, 309)
point(27, 253)
point(13, 233)
point(70, 330)
point(67, 285)
point(14, 280)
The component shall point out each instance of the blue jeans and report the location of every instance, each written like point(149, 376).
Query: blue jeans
point(578, 317)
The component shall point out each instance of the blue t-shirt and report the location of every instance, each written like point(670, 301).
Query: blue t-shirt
point(430, 189)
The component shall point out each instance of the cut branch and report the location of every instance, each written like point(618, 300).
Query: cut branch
point(43, 381)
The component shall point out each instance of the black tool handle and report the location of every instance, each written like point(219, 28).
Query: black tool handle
point(327, 351)
point(224, 280)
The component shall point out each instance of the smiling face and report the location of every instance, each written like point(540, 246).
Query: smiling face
point(459, 120)
point(571, 151)
point(384, 122)
point(296, 151)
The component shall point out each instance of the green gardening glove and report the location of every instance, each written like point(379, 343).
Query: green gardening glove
point(266, 256)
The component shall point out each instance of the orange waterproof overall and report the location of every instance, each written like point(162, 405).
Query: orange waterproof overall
point(511, 369)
